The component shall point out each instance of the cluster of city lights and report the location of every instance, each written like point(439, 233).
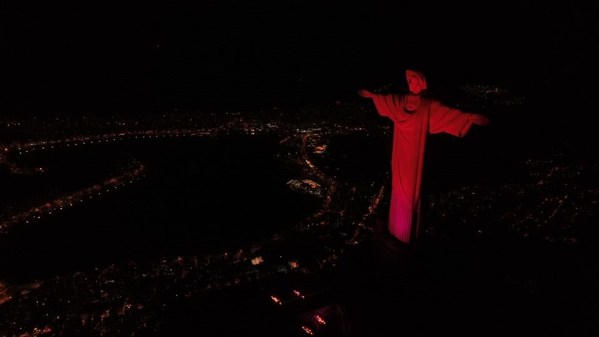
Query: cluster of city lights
point(97, 299)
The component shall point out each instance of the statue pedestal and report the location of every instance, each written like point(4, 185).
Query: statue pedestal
point(387, 249)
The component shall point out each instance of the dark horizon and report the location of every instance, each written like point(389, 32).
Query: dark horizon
point(72, 58)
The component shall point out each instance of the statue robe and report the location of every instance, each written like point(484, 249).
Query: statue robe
point(409, 139)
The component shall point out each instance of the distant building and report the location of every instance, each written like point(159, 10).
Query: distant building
point(320, 149)
point(306, 186)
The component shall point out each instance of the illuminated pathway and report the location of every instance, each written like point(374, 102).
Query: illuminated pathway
point(134, 173)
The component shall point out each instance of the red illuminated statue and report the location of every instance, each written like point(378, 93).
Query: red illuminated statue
point(414, 117)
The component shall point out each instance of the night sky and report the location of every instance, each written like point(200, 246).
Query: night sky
point(73, 57)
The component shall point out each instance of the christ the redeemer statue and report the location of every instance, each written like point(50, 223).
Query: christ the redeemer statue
point(414, 117)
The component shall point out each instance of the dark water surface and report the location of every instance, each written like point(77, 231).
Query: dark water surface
point(198, 195)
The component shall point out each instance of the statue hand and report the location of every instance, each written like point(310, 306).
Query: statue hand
point(480, 120)
point(365, 93)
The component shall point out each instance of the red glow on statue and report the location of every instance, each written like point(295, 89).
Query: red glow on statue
point(414, 117)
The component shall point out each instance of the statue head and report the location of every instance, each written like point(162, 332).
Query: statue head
point(416, 81)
